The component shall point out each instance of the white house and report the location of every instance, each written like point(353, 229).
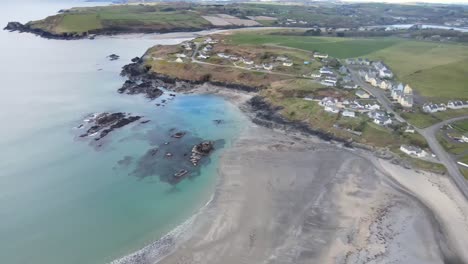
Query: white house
point(325, 70)
point(202, 56)
point(315, 75)
point(349, 113)
point(330, 81)
point(224, 56)
point(465, 138)
point(267, 67)
point(413, 151)
point(247, 61)
point(373, 107)
point(320, 56)
point(179, 60)
point(281, 58)
point(332, 109)
point(456, 104)
point(382, 120)
point(288, 63)
point(433, 108)
point(328, 101)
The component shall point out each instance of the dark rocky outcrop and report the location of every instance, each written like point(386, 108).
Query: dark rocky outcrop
point(148, 88)
point(113, 57)
point(265, 114)
point(19, 27)
point(105, 123)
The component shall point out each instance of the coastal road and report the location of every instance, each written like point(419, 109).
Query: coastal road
point(428, 133)
point(445, 158)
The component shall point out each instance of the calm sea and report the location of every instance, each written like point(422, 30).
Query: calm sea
point(61, 199)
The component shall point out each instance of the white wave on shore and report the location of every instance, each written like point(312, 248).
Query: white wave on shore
point(160, 248)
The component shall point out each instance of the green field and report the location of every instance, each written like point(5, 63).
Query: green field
point(335, 47)
point(437, 71)
point(79, 23)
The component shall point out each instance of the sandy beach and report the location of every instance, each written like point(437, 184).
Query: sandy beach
point(288, 198)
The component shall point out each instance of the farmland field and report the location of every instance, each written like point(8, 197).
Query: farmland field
point(335, 47)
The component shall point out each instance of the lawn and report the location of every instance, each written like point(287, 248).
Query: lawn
point(452, 147)
point(335, 47)
point(461, 126)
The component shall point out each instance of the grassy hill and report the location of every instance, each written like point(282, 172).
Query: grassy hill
point(122, 18)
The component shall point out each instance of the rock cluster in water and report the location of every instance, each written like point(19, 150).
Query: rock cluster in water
point(104, 123)
point(201, 150)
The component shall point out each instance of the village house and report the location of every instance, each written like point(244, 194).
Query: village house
point(382, 69)
point(329, 81)
point(457, 104)
point(187, 46)
point(350, 61)
point(224, 56)
point(403, 95)
point(372, 107)
point(315, 75)
point(247, 61)
point(210, 41)
point(348, 113)
point(320, 56)
point(202, 56)
point(179, 60)
point(288, 63)
point(362, 94)
point(332, 109)
point(362, 61)
point(433, 108)
point(326, 70)
point(386, 85)
point(328, 101)
point(409, 129)
point(371, 78)
point(406, 100)
point(380, 118)
point(350, 86)
point(343, 70)
point(267, 67)
point(397, 91)
point(465, 138)
point(413, 151)
point(281, 58)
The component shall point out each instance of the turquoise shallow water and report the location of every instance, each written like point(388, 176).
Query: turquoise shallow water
point(61, 200)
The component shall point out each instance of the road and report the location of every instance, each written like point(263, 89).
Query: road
point(428, 133)
point(445, 158)
point(379, 94)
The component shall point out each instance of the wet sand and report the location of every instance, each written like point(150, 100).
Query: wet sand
point(285, 198)
point(288, 200)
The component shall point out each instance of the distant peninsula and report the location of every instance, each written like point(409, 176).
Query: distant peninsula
point(87, 22)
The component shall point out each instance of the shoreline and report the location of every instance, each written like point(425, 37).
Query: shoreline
point(213, 233)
